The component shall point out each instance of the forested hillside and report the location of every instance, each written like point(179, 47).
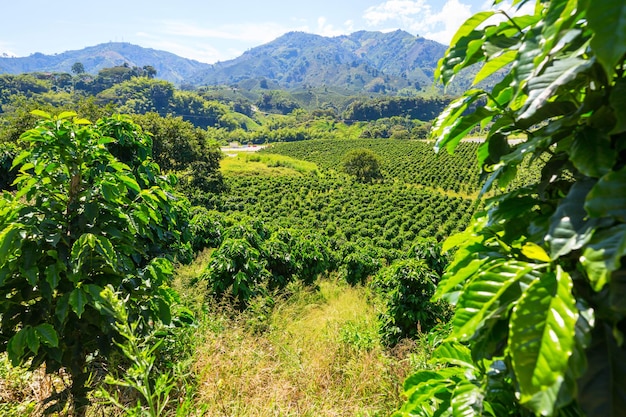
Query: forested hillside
point(371, 62)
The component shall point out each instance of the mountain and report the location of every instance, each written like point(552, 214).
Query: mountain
point(169, 66)
point(370, 61)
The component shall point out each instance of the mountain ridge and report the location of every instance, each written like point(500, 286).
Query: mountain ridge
point(364, 61)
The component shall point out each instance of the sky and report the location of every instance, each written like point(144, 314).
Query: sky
point(210, 31)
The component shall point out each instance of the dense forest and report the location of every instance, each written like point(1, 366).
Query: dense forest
point(188, 251)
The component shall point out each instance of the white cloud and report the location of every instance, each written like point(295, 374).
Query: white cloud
point(443, 25)
point(327, 29)
point(395, 10)
point(417, 16)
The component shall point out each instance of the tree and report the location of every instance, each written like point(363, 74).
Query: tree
point(150, 71)
point(78, 68)
point(538, 277)
point(82, 221)
point(362, 164)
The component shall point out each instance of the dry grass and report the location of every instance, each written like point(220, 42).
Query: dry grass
point(319, 356)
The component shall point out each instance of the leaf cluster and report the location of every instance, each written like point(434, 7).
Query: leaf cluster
point(537, 275)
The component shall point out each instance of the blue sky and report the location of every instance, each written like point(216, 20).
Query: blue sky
point(211, 31)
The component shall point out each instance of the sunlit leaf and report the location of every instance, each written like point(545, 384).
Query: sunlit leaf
point(471, 24)
point(543, 87)
point(41, 113)
point(494, 65)
point(602, 255)
point(485, 295)
point(542, 333)
point(453, 353)
point(65, 115)
point(535, 252)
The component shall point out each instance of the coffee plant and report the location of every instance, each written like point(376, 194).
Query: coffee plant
point(538, 277)
point(81, 220)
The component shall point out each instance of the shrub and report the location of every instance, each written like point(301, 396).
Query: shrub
point(405, 289)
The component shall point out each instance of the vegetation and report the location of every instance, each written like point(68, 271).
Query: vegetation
point(536, 279)
point(313, 276)
point(362, 164)
point(81, 221)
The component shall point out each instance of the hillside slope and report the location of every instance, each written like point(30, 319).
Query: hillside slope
point(170, 67)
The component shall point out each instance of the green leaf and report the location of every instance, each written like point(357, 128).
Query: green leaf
point(535, 252)
point(9, 241)
point(31, 274)
point(129, 182)
point(66, 115)
point(602, 255)
point(607, 19)
point(17, 345)
point(62, 308)
point(470, 25)
point(591, 152)
point(484, 295)
point(494, 64)
point(110, 191)
point(78, 300)
point(544, 86)
point(47, 335)
point(569, 227)
point(603, 387)
point(444, 125)
point(542, 338)
point(467, 400)
point(42, 114)
point(53, 275)
point(453, 353)
point(608, 197)
point(32, 340)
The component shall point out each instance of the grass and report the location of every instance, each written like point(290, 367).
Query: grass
point(315, 353)
point(247, 163)
point(308, 352)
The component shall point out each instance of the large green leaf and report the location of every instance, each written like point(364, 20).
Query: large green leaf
point(542, 87)
point(608, 197)
point(470, 25)
point(483, 296)
point(591, 152)
point(17, 344)
point(446, 128)
point(47, 335)
point(603, 387)
point(467, 400)
point(541, 339)
point(602, 255)
point(570, 228)
point(607, 18)
point(455, 353)
point(494, 64)
point(78, 299)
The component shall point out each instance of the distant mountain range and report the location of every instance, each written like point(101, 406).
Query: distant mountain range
point(169, 66)
point(363, 61)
